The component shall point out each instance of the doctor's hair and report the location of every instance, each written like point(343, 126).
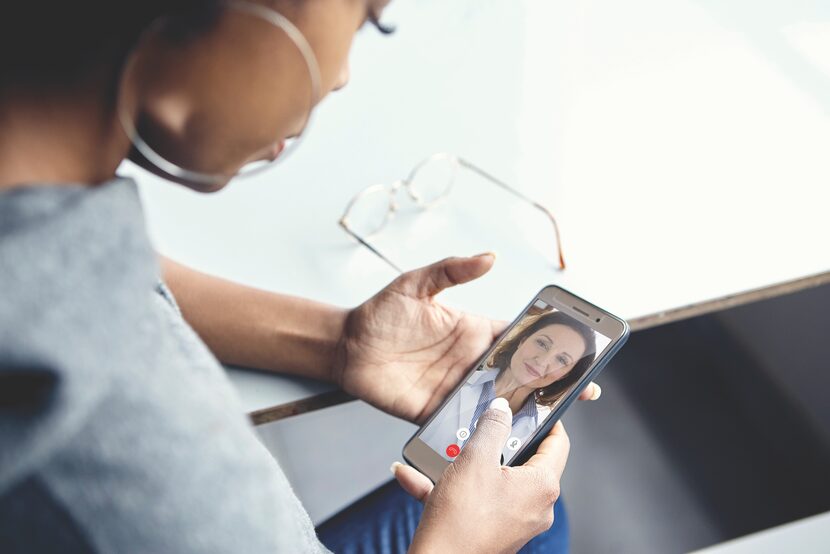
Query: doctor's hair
point(547, 396)
point(59, 43)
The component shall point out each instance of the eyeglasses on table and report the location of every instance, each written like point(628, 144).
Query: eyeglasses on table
point(429, 181)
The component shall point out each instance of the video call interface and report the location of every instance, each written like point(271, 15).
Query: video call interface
point(537, 364)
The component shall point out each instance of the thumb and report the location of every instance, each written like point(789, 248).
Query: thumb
point(432, 279)
point(412, 481)
point(491, 433)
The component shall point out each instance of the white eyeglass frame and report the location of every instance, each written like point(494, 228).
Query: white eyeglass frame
point(456, 163)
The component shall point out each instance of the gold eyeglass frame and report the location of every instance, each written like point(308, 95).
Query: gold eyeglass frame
point(457, 163)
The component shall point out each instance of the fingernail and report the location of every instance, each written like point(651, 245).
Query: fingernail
point(394, 467)
point(500, 403)
point(597, 392)
point(491, 253)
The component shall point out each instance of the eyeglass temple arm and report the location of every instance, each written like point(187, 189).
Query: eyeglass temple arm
point(374, 250)
point(518, 194)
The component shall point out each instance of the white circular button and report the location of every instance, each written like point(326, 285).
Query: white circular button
point(463, 434)
point(513, 443)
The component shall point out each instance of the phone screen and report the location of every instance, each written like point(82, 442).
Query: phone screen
point(543, 357)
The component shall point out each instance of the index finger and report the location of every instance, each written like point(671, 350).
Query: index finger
point(591, 392)
point(552, 454)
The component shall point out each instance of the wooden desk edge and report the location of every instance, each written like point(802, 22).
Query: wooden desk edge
point(729, 301)
point(333, 398)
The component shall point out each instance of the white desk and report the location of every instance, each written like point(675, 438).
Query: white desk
point(683, 146)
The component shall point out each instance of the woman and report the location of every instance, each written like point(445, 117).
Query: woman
point(532, 369)
point(119, 431)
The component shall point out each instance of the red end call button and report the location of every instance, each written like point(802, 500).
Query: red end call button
point(453, 450)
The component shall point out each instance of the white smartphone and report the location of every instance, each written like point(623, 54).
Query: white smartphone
point(540, 364)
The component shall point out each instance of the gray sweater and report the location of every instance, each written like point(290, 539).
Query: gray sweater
point(119, 431)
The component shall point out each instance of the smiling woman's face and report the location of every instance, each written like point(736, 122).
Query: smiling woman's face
point(546, 356)
point(235, 92)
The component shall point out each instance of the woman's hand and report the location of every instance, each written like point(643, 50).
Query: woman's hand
point(403, 352)
point(478, 505)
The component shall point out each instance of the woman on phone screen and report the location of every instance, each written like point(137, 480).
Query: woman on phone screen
point(541, 358)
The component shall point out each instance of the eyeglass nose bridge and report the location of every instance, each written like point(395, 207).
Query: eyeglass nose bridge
point(393, 194)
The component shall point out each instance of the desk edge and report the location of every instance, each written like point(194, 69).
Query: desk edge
point(333, 398)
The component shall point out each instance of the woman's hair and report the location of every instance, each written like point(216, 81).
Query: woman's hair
point(57, 42)
point(548, 395)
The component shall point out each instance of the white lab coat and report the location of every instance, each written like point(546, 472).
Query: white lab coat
point(458, 412)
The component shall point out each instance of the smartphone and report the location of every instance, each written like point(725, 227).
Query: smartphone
point(540, 364)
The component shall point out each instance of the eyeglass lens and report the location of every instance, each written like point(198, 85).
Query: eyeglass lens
point(432, 179)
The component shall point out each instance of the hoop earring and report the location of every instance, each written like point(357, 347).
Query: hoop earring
point(200, 178)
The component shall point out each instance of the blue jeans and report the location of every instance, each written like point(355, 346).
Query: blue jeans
point(384, 522)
